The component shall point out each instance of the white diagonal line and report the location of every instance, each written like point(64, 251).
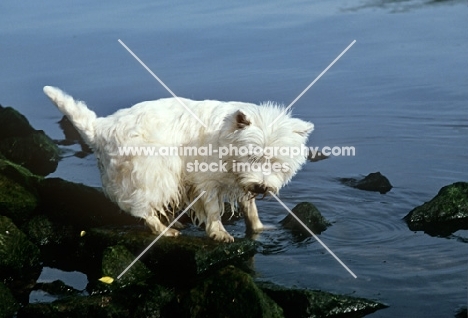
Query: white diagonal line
point(160, 235)
point(313, 82)
point(161, 82)
point(315, 236)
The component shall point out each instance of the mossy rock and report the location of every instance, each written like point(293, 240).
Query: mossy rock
point(446, 213)
point(13, 123)
point(57, 288)
point(187, 256)
point(230, 292)
point(36, 151)
point(18, 199)
point(8, 304)
point(22, 144)
point(18, 256)
point(157, 302)
point(310, 216)
point(95, 306)
point(298, 303)
point(45, 233)
point(116, 259)
point(79, 205)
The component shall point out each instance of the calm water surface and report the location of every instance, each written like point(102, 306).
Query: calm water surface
point(399, 96)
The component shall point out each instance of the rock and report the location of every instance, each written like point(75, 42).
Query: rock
point(77, 204)
point(72, 136)
point(57, 288)
point(78, 306)
point(314, 157)
point(297, 303)
point(228, 293)
point(310, 216)
point(45, 233)
point(446, 213)
point(8, 305)
point(24, 145)
point(462, 313)
point(157, 302)
point(18, 198)
point(13, 124)
point(189, 257)
point(19, 257)
point(372, 182)
point(116, 259)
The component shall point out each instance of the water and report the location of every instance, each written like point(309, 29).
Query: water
point(398, 96)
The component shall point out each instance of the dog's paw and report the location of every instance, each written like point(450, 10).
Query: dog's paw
point(221, 236)
point(172, 233)
point(257, 227)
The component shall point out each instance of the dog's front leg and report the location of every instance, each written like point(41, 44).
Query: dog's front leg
point(214, 228)
point(252, 221)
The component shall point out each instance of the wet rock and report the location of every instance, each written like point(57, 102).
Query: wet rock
point(19, 258)
point(462, 313)
point(228, 293)
point(116, 259)
point(24, 145)
point(8, 305)
point(310, 216)
point(72, 136)
point(372, 182)
point(446, 213)
point(157, 302)
point(45, 233)
point(314, 157)
point(13, 124)
point(78, 306)
point(84, 207)
point(18, 199)
point(297, 303)
point(61, 245)
point(57, 288)
point(186, 256)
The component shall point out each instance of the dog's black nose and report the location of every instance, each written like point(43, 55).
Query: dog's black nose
point(258, 189)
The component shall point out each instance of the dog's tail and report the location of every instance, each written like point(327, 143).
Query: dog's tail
point(77, 112)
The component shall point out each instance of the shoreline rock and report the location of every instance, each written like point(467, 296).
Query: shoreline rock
point(444, 214)
point(22, 144)
point(310, 216)
point(372, 182)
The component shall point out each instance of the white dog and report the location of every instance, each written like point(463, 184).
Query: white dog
point(155, 183)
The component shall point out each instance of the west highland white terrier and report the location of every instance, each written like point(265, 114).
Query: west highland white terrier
point(156, 157)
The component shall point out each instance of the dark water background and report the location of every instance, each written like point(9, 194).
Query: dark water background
point(399, 96)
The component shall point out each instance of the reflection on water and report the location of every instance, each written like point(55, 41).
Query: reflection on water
point(399, 6)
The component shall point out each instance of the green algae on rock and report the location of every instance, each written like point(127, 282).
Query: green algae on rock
point(18, 199)
point(8, 304)
point(22, 144)
point(186, 256)
point(310, 216)
point(298, 303)
point(444, 214)
point(18, 256)
point(116, 259)
point(230, 292)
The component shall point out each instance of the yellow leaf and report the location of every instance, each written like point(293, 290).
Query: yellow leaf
point(82, 233)
point(106, 279)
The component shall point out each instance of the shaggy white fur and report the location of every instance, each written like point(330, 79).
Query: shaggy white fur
point(153, 187)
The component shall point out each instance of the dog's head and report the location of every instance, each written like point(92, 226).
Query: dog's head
point(270, 147)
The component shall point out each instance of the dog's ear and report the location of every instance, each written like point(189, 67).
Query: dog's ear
point(241, 120)
point(301, 127)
